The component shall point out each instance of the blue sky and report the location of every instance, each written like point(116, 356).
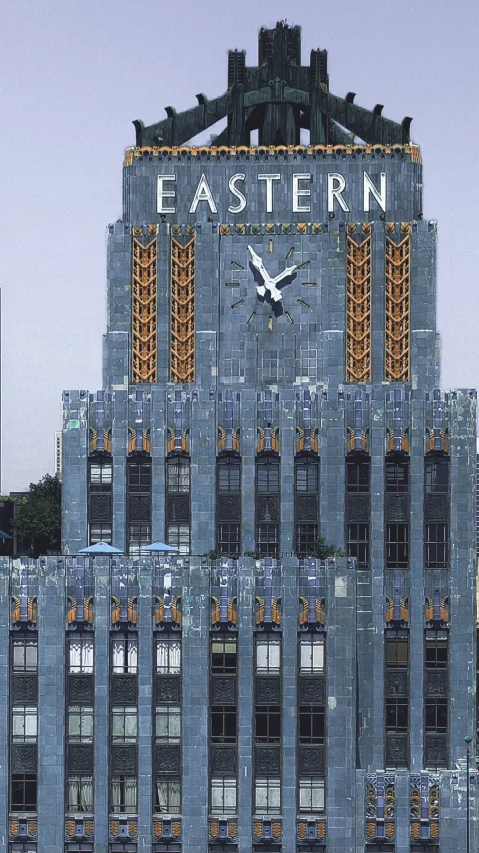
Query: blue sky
point(75, 75)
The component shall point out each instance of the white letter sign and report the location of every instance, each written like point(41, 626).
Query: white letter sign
point(238, 208)
point(269, 189)
point(162, 194)
point(336, 185)
point(297, 192)
point(371, 190)
point(203, 193)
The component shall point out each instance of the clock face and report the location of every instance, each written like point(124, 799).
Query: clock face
point(274, 276)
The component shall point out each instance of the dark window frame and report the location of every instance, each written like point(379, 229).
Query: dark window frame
point(221, 657)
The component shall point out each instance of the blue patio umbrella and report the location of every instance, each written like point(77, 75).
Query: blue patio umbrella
point(100, 548)
point(4, 535)
point(159, 546)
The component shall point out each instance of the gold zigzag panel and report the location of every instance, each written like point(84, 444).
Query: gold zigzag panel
point(182, 321)
point(358, 310)
point(398, 309)
point(144, 310)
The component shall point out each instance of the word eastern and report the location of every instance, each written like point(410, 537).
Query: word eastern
point(336, 192)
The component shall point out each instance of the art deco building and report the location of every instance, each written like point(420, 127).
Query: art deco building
point(271, 376)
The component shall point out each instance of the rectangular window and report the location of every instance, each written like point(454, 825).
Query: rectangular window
point(24, 723)
point(267, 544)
point(268, 655)
point(396, 652)
point(397, 546)
point(267, 796)
point(267, 475)
point(229, 539)
point(168, 656)
point(223, 796)
point(100, 533)
point(177, 475)
point(311, 654)
point(25, 655)
point(311, 795)
point(306, 535)
point(436, 716)
point(437, 475)
point(168, 724)
point(80, 653)
point(123, 794)
point(229, 474)
point(397, 475)
point(307, 474)
point(24, 792)
point(223, 656)
point(358, 543)
point(311, 724)
point(397, 712)
point(139, 475)
point(268, 724)
point(139, 535)
point(437, 546)
point(124, 653)
point(178, 535)
point(101, 474)
point(223, 724)
point(80, 724)
point(80, 793)
point(436, 653)
point(124, 724)
point(357, 475)
point(168, 796)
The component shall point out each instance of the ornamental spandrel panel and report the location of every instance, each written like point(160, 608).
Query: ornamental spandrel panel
point(24, 688)
point(358, 508)
point(268, 690)
point(396, 683)
point(178, 508)
point(267, 760)
point(396, 750)
point(436, 750)
point(123, 758)
point(223, 690)
point(100, 508)
point(228, 508)
point(311, 690)
point(311, 759)
point(307, 508)
point(168, 759)
point(436, 683)
point(24, 758)
point(124, 689)
point(80, 689)
point(223, 760)
point(168, 689)
point(267, 508)
point(436, 507)
point(139, 507)
point(397, 508)
point(80, 758)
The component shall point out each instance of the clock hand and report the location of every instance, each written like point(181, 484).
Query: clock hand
point(268, 283)
point(286, 272)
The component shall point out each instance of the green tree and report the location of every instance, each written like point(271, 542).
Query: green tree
point(38, 520)
point(321, 550)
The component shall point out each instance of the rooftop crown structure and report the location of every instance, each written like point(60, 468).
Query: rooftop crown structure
point(299, 675)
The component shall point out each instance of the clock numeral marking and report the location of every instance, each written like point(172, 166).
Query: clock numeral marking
point(270, 323)
point(288, 317)
point(290, 253)
point(232, 283)
point(271, 247)
point(237, 265)
point(308, 283)
point(302, 302)
point(304, 264)
point(235, 304)
point(251, 318)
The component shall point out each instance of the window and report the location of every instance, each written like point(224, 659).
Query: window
point(24, 723)
point(311, 724)
point(307, 474)
point(124, 653)
point(223, 796)
point(357, 474)
point(100, 533)
point(123, 794)
point(397, 546)
point(168, 724)
point(267, 796)
point(139, 535)
point(311, 654)
point(80, 793)
point(311, 795)
point(139, 474)
point(80, 653)
point(268, 655)
point(436, 653)
point(358, 543)
point(437, 546)
point(396, 652)
point(267, 544)
point(267, 475)
point(268, 724)
point(228, 474)
point(437, 474)
point(229, 539)
point(80, 724)
point(168, 796)
point(178, 474)
point(168, 656)
point(436, 715)
point(124, 724)
point(24, 792)
point(25, 655)
point(101, 474)
point(397, 708)
point(178, 535)
point(306, 535)
point(397, 475)
point(223, 724)
point(223, 656)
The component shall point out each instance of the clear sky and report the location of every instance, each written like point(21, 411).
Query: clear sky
point(75, 73)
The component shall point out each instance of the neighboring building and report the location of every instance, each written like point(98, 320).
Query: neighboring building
point(271, 374)
point(58, 456)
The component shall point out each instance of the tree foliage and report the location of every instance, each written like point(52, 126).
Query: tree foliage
point(38, 520)
point(322, 550)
